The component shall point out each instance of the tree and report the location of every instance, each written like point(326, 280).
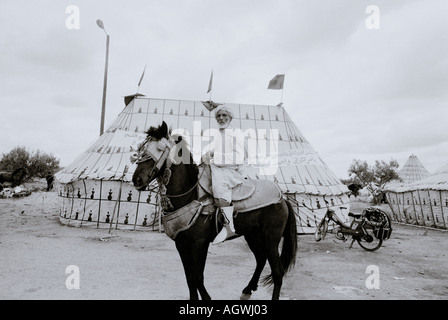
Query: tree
point(373, 178)
point(16, 158)
point(38, 163)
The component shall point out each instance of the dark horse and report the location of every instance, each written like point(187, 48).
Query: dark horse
point(262, 228)
point(15, 178)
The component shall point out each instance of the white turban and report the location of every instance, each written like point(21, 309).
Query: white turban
point(224, 108)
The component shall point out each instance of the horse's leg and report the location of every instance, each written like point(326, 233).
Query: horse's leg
point(276, 270)
point(257, 249)
point(186, 253)
point(272, 236)
point(201, 251)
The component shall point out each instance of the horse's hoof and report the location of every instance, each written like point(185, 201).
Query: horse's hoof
point(245, 296)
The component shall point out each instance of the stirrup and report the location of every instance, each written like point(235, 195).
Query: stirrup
point(225, 234)
point(228, 231)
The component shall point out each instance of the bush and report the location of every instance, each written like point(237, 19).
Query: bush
point(38, 163)
point(373, 178)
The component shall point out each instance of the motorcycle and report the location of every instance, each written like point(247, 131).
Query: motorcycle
point(369, 228)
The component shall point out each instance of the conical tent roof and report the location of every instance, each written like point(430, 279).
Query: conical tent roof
point(436, 181)
point(284, 155)
point(413, 170)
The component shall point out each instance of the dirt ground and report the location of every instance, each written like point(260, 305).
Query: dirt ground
point(36, 251)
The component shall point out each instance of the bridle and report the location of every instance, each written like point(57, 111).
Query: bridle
point(159, 151)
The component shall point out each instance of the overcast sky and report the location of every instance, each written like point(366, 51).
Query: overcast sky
point(353, 91)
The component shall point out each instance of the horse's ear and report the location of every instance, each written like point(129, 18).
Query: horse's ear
point(164, 130)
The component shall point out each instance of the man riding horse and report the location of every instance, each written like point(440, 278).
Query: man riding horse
point(265, 218)
point(226, 157)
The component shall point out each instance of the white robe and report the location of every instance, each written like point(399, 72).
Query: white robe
point(227, 163)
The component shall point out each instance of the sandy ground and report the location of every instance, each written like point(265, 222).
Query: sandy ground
point(36, 251)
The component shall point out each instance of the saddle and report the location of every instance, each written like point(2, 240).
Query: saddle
point(248, 196)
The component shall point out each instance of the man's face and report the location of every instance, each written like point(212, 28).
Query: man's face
point(223, 119)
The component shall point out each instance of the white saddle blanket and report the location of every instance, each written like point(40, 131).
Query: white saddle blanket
point(250, 195)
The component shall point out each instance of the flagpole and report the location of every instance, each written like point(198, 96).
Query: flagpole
point(210, 85)
point(103, 106)
point(141, 78)
point(283, 85)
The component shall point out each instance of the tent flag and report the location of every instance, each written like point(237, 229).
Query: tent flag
point(210, 83)
point(210, 105)
point(276, 83)
point(141, 78)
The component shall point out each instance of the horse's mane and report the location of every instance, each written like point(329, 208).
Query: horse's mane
point(155, 132)
point(181, 144)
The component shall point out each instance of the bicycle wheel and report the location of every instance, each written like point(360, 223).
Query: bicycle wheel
point(369, 241)
point(321, 230)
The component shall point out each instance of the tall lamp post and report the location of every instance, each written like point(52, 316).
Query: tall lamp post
point(103, 108)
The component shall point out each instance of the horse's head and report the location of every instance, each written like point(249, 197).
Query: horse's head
point(151, 156)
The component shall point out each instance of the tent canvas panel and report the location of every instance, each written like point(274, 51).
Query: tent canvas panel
point(393, 205)
point(310, 209)
point(97, 203)
point(437, 210)
point(409, 210)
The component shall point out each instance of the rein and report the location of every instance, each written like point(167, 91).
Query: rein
point(186, 192)
point(165, 180)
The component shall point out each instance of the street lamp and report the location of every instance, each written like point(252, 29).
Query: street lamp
point(103, 108)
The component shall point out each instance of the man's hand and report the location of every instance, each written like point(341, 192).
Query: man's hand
point(208, 157)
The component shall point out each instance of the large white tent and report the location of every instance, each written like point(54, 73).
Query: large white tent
point(96, 189)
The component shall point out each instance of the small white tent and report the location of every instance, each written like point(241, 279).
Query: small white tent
point(97, 189)
point(423, 202)
point(413, 170)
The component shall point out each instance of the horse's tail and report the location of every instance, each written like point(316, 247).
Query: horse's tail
point(289, 247)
